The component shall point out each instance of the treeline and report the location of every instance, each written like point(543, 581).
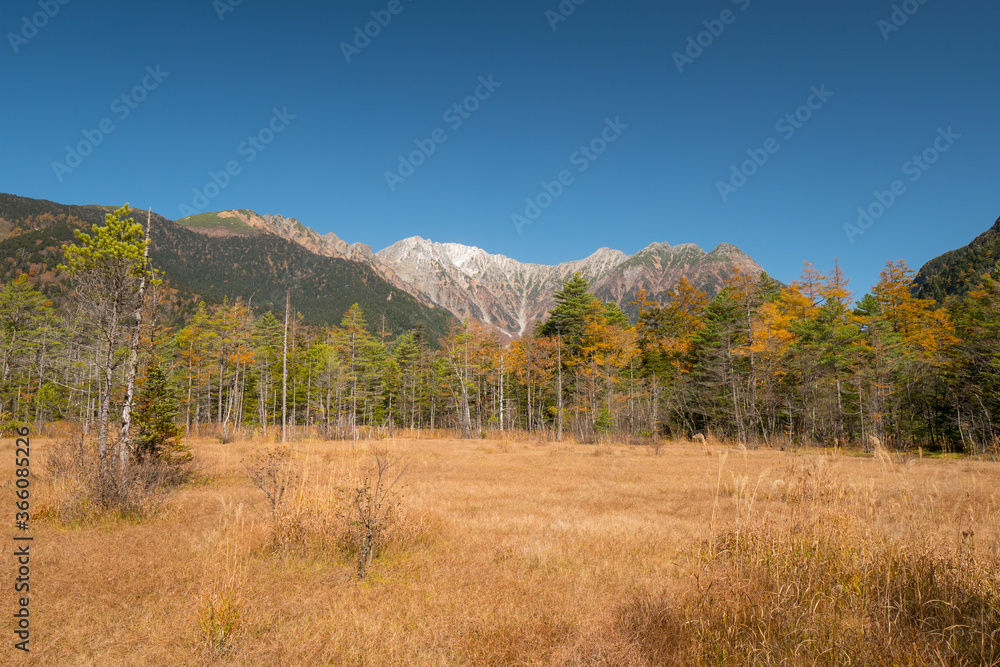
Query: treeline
point(758, 364)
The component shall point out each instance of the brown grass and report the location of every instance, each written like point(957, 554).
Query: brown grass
point(516, 552)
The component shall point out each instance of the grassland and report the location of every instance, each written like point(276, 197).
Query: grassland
point(534, 553)
point(215, 221)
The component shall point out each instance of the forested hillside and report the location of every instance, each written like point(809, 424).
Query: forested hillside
point(21, 214)
point(257, 269)
point(958, 271)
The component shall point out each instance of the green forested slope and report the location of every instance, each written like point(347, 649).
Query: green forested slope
point(262, 267)
point(955, 272)
point(258, 267)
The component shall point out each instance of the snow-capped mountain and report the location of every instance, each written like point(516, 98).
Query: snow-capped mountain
point(512, 296)
point(494, 289)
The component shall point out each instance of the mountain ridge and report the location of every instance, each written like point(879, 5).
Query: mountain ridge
point(466, 281)
point(513, 295)
point(953, 273)
point(498, 290)
point(202, 264)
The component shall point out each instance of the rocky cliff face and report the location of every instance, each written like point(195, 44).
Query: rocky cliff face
point(512, 296)
point(497, 290)
point(660, 266)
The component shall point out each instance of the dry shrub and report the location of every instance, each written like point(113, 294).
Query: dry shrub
point(301, 516)
point(272, 472)
point(60, 430)
point(823, 593)
point(376, 504)
point(603, 449)
point(350, 516)
point(313, 520)
point(320, 521)
point(83, 489)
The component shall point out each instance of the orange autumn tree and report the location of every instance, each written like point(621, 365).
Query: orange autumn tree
point(666, 331)
point(533, 362)
point(608, 346)
point(921, 324)
point(909, 341)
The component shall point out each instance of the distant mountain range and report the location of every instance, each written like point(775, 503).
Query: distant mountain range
point(957, 271)
point(497, 290)
point(412, 282)
point(512, 296)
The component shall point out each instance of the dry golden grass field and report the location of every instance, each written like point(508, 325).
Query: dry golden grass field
point(528, 553)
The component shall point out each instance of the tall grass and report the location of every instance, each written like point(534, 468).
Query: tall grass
point(816, 584)
point(528, 552)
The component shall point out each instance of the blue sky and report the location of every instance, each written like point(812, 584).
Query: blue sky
point(223, 69)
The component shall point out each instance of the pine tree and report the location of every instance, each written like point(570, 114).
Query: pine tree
point(976, 382)
point(352, 341)
point(111, 269)
point(158, 436)
point(24, 314)
point(569, 318)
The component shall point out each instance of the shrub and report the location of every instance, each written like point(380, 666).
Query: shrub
point(375, 504)
point(85, 489)
point(271, 472)
point(220, 619)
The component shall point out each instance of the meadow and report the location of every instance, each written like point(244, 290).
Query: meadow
point(526, 552)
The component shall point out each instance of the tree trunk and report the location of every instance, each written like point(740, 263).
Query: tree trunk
point(124, 442)
point(284, 372)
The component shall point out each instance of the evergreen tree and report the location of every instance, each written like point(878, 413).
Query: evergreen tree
point(24, 314)
point(158, 436)
point(569, 318)
point(976, 382)
point(111, 270)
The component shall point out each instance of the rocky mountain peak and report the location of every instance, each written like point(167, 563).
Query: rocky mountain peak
point(493, 288)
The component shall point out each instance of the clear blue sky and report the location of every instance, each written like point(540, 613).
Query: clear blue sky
point(658, 181)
